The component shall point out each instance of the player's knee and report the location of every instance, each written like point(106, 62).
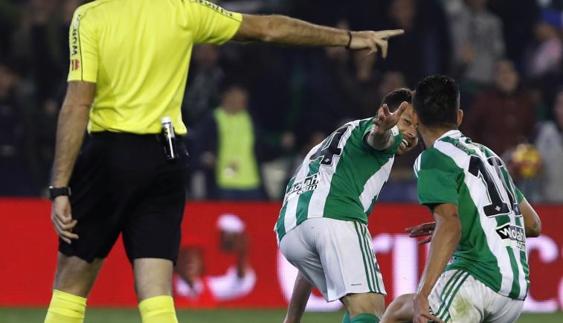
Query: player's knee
point(371, 303)
point(398, 303)
point(399, 310)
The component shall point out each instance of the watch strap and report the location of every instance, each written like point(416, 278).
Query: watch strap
point(55, 192)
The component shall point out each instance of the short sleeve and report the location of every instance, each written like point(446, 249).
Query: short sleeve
point(437, 179)
point(83, 42)
point(211, 23)
point(519, 195)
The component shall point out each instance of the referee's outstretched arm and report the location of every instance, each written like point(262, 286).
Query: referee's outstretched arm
point(290, 31)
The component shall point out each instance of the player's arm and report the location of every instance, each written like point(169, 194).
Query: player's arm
point(444, 242)
point(290, 31)
point(71, 126)
point(299, 298)
point(380, 138)
point(532, 221)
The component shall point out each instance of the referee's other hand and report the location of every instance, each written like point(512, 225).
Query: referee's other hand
point(62, 219)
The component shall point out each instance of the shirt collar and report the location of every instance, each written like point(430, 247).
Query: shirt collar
point(456, 134)
point(451, 133)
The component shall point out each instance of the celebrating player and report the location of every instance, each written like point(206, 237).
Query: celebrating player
point(322, 227)
point(482, 220)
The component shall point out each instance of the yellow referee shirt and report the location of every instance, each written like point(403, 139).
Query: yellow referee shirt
point(138, 53)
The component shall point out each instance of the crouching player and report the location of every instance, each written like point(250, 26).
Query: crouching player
point(482, 220)
point(322, 227)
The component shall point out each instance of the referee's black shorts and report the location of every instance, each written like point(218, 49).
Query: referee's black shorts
point(122, 183)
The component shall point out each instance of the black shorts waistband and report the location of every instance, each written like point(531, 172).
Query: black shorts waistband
point(125, 136)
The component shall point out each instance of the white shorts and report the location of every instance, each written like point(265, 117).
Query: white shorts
point(459, 297)
point(335, 256)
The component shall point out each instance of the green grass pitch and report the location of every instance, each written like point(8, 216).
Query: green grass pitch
point(11, 315)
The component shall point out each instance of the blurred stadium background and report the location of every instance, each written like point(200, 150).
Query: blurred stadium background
point(506, 54)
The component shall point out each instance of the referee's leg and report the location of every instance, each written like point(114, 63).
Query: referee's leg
point(73, 281)
point(153, 284)
point(78, 263)
point(151, 236)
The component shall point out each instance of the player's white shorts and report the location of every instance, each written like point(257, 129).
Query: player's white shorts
point(458, 297)
point(335, 256)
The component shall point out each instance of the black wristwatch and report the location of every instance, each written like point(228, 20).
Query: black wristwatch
point(54, 192)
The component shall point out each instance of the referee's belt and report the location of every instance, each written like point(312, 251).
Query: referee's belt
point(126, 136)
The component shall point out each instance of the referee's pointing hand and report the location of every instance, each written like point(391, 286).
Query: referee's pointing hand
point(62, 219)
point(373, 40)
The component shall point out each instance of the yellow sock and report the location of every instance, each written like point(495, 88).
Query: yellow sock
point(66, 308)
point(158, 309)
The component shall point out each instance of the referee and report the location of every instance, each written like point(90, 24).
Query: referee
point(128, 69)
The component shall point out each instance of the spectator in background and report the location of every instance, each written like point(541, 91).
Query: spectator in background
point(193, 287)
point(332, 10)
point(39, 42)
point(502, 117)
point(44, 133)
point(15, 176)
point(478, 41)
point(390, 81)
point(547, 54)
point(359, 86)
point(436, 39)
point(232, 149)
point(519, 19)
point(402, 14)
point(425, 47)
point(9, 18)
point(550, 144)
point(205, 80)
point(330, 77)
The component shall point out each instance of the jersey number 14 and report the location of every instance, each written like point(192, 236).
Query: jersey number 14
point(329, 147)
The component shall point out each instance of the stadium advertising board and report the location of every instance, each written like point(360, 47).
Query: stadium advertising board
point(229, 258)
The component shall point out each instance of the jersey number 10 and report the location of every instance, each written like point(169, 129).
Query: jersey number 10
point(497, 207)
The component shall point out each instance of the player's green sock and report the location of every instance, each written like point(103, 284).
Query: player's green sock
point(346, 318)
point(365, 318)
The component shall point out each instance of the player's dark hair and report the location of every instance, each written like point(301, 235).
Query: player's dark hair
point(394, 98)
point(436, 101)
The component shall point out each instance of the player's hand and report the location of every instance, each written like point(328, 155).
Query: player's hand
point(422, 230)
point(62, 219)
point(386, 120)
point(373, 40)
point(421, 310)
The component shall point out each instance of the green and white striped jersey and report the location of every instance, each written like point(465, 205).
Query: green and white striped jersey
point(340, 178)
point(493, 241)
